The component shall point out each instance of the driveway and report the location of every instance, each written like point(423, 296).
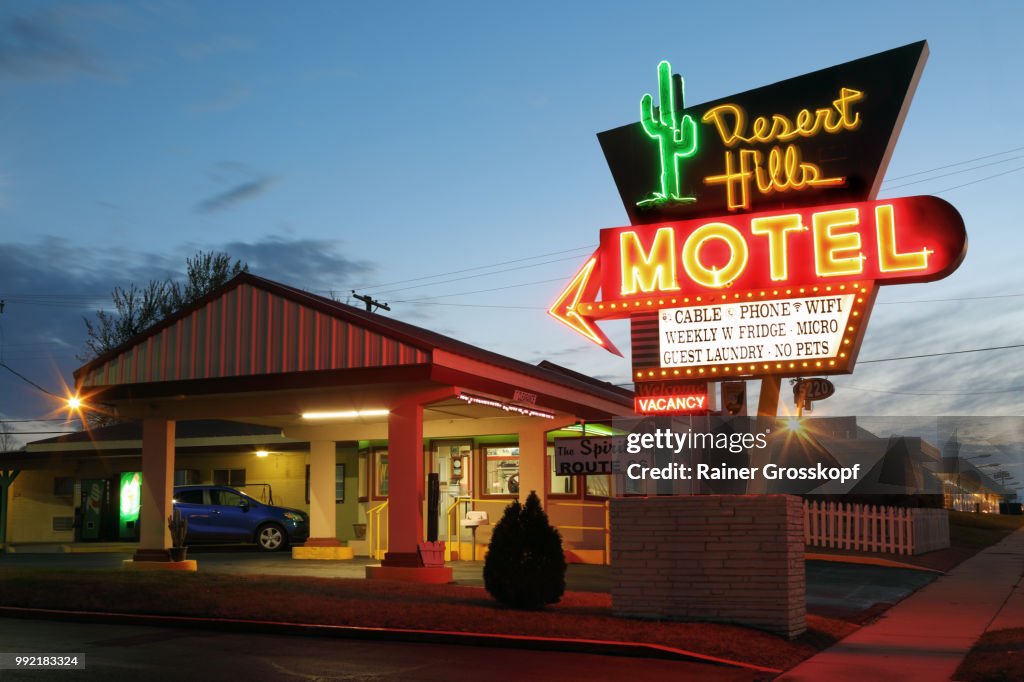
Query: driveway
point(839, 590)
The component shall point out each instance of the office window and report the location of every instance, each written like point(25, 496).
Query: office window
point(380, 473)
point(363, 473)
point(186, 476)
point(501, 470)
point(339, 483)
point(232, 477)
point(599, 486)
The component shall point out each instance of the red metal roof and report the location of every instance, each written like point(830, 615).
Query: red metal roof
point(324, 335)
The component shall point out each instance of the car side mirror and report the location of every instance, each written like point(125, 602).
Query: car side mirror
point(244, 504)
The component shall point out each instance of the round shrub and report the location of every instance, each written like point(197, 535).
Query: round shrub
point(525, 565)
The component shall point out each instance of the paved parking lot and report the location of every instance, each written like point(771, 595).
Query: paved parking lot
point(833, 589)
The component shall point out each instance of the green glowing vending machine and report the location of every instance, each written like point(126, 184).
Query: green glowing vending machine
point(130, 501)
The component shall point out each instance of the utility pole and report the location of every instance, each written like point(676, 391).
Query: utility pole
point(370, 302)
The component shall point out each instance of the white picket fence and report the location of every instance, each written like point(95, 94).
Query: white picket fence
point(870, 528)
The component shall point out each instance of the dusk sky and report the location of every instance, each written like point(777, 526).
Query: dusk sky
point(443, 157)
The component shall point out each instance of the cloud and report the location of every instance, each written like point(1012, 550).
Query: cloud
point(229, 99)
point(38, 46)
point(50, 284)
point(249, 189)
point(318, 265)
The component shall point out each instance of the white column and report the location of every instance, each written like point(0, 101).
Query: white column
point(323, 519)
point(533, 460)
point(157, 489)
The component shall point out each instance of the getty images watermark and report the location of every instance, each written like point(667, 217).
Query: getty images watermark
point(841, 455)
point(690, 441)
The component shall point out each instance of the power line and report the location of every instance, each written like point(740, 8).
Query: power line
point(956, 172)
point(41, 419)
point(483, 305)
point(475, 268)
point(28, 381)
point(947, 300)
point(958, 163)
point(481, 291)
point(485, 274)
point(935, 355)
point(932, 393)
point(79, 300)
point(975, 182)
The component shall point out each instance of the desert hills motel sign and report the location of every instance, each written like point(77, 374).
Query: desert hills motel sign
point(756, 245)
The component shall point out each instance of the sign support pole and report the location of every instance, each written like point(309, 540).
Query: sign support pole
point(768, 403)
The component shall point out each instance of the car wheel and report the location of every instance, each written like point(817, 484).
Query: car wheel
point(271, 538)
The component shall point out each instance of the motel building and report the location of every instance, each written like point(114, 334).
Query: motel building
point(307, 403)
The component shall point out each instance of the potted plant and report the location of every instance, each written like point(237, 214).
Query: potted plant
point(178, 525)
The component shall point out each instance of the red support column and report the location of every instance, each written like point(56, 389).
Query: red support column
point(405, 485)
point(405, 494)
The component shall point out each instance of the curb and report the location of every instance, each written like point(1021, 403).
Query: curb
point(868, 561)
point(583, 646)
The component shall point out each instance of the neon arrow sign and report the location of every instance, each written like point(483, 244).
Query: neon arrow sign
point(762, 256)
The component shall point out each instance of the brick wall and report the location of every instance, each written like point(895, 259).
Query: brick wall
point(725, 558)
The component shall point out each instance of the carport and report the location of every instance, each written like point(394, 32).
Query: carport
point(324, 372)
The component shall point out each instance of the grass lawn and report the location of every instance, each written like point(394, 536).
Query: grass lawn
point(998, 656)
point(336, 601)
point(968, 534)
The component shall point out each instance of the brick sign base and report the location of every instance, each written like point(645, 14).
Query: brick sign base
point(723, 558)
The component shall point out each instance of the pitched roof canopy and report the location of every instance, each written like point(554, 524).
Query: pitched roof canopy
point(256, 334)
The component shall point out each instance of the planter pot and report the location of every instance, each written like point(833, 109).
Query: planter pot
point(360, 530)
point(178, 553)
point(432, 553)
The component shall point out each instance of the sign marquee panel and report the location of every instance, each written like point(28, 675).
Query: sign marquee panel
point(740, 335)
point(795, 329)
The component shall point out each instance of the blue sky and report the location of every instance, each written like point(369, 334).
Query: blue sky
point(337, 146)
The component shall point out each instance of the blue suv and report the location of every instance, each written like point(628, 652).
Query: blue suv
point(217, 513)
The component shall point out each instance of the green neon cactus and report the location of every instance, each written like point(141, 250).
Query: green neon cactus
point(675, 132)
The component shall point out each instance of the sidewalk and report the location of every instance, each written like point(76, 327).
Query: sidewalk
point(926, 636)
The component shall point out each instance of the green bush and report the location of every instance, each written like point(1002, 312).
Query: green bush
point(525, 565)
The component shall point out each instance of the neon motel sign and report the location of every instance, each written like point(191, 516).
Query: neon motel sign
point(757, 245)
